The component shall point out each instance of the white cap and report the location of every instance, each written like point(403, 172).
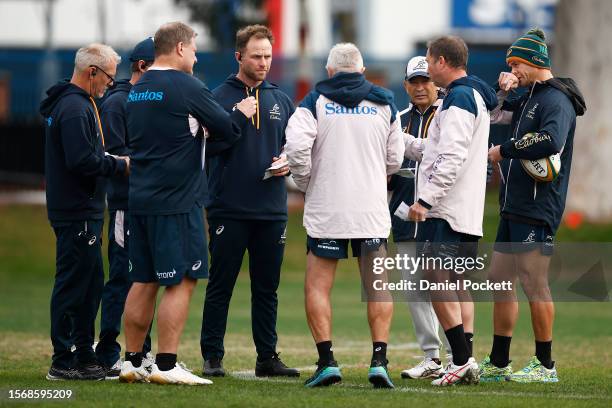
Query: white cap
point(417, 66)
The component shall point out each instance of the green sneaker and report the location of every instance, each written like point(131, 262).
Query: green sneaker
point(535, 372)
point(325, 375)
point(492, 373)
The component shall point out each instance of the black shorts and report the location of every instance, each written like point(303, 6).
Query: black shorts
point(514, 236)
point(166, 248)
point(436, 238)
point(338, 248)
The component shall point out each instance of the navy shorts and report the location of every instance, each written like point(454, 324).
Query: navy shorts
point(338, 248)
point(166, 248)
point(515, 237)
point(436, 238)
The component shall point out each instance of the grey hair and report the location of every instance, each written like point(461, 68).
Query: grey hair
point(95, 54)
point(345, 57)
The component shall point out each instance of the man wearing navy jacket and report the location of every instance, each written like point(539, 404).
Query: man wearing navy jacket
point(112, 114)
point(542, 123)
point(247, 207)
point(75, 168)
point(166, 112)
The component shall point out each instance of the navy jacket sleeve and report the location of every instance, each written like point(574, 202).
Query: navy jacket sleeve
point(113, 125)
point(555, 122)
point(80, 154)
point(221, 125)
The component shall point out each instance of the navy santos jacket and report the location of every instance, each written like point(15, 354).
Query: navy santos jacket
point(549, 110)
point(75, 163)
point(112, 115)
point(166, 111)
point(235, 175)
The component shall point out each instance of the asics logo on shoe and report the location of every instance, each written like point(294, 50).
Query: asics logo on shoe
point(196, 266)
point(220, 230)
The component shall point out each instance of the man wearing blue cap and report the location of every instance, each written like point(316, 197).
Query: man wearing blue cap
point(116, 289)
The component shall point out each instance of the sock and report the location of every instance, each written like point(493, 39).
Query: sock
point(500, 352)
point(469, 339)
point(165, 361)
point(379, 351)
point(459, 347)
point(543, 352)
point(325, 352)
point(134, 358)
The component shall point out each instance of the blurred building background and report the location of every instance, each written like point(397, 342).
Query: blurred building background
point(38, 40)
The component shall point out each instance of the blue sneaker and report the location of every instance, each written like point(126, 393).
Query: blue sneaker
point(378, 374)
point(326, 374)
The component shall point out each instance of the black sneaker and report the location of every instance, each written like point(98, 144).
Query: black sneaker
point(213, 368)
point(112, 372)
point(61, 374)
point(91, 371)
point(274, 367)
point(325, 375)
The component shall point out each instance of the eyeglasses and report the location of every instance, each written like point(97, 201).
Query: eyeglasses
point(111, 80)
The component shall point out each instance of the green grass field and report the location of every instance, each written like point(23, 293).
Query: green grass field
point(583, 335)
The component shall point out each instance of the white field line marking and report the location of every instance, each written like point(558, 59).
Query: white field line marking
point(250, 375)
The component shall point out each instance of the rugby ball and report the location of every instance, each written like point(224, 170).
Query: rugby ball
point(545, 169)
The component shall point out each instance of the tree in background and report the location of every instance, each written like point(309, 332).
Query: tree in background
point(224, 17)
point(582, 51)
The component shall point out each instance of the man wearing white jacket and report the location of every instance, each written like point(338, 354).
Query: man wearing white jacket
point(342, 142)
point(451, 188)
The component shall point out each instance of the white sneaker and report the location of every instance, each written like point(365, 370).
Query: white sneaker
point(466, 374)
point(178, 375)
point(425, 369)
point(131, 374)
point(147, 361)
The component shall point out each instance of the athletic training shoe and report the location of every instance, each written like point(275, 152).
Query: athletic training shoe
point(325, 375)
point(61, 374)
point(274, 367)
point(131, 374)
point(464, 374)
point(491, 373)
point(178, 375)
point(112, 373)
point(535, 372)
point(425, 369)
point(147, 362)
point(378, 375)
point(213, 368)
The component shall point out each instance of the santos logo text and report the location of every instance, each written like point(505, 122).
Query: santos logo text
point(145, 96)
point(335, 109)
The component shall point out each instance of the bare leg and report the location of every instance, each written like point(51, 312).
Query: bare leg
point(533, 273)
point(320, 273)
point(505, 309)
point(380, 305)
point(172, 314)
point(138, 314)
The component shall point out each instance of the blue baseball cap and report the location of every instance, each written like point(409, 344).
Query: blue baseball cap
point(144, 50)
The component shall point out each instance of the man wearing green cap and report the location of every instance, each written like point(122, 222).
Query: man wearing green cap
point(542, 123)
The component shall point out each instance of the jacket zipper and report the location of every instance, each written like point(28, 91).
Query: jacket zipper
point(416, 170)
point(516, 136)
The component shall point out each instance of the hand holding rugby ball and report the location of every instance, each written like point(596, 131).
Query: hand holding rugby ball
point(545, 169)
